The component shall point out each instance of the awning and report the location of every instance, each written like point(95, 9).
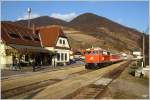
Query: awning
point(29, 48)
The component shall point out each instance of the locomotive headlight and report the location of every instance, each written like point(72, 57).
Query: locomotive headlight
point(102, 58)
point(91, 58)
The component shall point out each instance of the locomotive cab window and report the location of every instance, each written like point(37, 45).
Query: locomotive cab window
point(108, 53)
point(88, 52)
point(104, 52)
point(95, 52)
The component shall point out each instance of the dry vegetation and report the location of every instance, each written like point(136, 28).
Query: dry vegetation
point(127, 87)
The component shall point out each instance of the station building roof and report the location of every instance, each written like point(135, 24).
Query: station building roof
point(49, 35)
point(19, 35)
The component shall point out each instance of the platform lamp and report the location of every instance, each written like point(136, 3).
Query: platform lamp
point(29, 15)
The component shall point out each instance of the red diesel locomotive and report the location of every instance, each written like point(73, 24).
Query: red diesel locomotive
point(97, 57)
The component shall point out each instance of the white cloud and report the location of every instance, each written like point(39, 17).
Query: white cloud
point(66, 17)
point(33, 15)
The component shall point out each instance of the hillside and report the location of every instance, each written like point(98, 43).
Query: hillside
point(101, 31)
point(108, 30)
point(42, 21)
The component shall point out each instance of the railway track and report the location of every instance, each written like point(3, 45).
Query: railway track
point(29, 89)
point(71, 85)
point(94, 90)
point(59, 82)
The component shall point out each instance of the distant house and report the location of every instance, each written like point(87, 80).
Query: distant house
point(137, 54)
point(54, 39)
point(21, 43)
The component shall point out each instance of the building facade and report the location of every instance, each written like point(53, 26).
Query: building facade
point(21, 43)
point(54, 40)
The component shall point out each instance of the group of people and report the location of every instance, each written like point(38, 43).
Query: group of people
point(17, 64)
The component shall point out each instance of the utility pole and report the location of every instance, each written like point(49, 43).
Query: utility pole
point(29, 15)
point(144, 57)
point(143, 50)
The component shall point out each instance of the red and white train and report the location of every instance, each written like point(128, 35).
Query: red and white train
point(97, 58)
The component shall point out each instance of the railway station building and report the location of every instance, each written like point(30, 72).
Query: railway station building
point(21, 43)
point(54, 40)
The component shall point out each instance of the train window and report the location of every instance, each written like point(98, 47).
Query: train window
point(104, 52)
point(108, 53)
point(88, 52)
point(95, 52)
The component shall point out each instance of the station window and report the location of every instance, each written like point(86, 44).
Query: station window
point(65, 56)
point(60, 41)
point(58, 56)
point(62, 56)
point(63, 41)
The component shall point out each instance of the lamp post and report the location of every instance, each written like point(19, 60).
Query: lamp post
point(29, 15)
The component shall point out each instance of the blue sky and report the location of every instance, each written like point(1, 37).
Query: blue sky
point(129, 13)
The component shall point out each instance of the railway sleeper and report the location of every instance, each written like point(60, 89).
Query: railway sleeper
point(20, 90)
point(93, 91)
point(87, 92)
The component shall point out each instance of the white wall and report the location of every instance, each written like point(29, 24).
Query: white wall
point(4, 60)
point(2, 56)
point(61, 44)
point(60, 51)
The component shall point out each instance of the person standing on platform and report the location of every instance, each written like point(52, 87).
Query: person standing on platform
point(33, 64)
point(14, 66)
